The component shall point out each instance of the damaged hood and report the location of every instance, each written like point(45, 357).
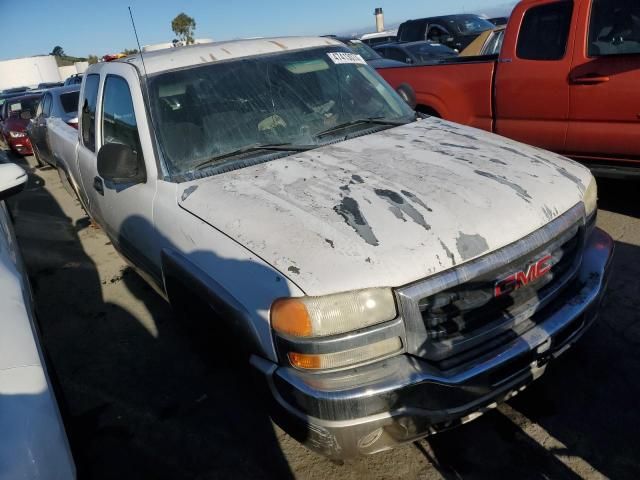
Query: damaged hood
point(389, 208)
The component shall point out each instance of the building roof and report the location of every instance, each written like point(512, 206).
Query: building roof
point(180, 57)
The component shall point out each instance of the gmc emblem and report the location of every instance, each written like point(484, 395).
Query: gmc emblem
point(522, 278)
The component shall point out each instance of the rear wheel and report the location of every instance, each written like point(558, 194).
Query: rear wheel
point(408, 95)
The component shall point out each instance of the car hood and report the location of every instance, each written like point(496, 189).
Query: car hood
point(389, 208)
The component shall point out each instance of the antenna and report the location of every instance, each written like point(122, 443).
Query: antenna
point(145, 84)
point(138, 42)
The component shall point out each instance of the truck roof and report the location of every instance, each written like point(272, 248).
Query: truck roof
point(190, 55)
point(446, 17)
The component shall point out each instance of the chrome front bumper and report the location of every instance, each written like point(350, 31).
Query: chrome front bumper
point(375, 408)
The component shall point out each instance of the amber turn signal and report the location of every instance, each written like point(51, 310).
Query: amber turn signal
point(290, 317)
point(307, 362)
point(346, 358)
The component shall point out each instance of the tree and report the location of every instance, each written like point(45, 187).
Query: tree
point(183, 26)
point(133, 51)
point(57, 51)
point(92, 59)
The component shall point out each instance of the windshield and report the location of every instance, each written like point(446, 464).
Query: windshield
point(16, 108)
point(295, 98)
point(428, 51)
point(365, 51)
point(468, 24)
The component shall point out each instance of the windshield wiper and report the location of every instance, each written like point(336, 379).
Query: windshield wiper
point(360, 121)
point(278, 147)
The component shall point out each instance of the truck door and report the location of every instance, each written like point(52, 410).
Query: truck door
point(531, 90)
point(604, 119)
point(39, 128)
point(127, 208)
point(86, 151)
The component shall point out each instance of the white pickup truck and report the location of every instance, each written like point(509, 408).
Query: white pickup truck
point(391, 275)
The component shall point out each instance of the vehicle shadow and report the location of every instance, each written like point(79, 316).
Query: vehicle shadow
point(231, 406)
point(588, 400)
point(140, 400)
point(619, 196)
point(578, 420)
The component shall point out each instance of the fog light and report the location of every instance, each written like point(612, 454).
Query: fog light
point(354, 356)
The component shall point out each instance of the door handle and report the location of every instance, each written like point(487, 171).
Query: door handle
point(589, 79)
point(98, 185)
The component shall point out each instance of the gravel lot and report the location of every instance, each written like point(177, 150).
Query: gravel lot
point(144, 399)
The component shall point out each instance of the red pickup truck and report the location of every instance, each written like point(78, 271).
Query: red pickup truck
point(567, 79)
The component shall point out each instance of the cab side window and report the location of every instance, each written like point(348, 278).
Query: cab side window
point(118, 117)
point(437, 33)
point(88, 110)
point(413, 30)
point(545, 31)
point(614, 28)
point(38, 110)
point(397, 54)
point(46, 106)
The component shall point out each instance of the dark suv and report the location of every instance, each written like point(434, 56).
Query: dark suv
point(75, 79)
point(454, 31)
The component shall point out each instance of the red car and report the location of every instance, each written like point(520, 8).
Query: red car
point(16, 114)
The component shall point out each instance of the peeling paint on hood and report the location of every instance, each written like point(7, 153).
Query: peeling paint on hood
point(389, 208)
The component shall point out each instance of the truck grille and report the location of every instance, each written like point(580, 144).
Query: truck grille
point(467, 311)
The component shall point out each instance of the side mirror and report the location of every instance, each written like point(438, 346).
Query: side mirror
point(119, 163)
point(12, 179)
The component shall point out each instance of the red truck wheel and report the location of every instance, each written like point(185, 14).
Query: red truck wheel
point(407, 94)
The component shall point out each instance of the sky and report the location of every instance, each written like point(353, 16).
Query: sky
point(83, 27)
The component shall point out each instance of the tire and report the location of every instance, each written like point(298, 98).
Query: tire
point(407, 94)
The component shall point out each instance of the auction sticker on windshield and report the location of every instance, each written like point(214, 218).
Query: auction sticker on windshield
point(344, 57)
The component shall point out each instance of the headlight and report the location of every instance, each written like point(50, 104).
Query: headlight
point(17, 134)
point(590, 199)
point(332, 314)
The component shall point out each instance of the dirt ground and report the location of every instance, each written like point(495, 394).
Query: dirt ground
point(144, 399)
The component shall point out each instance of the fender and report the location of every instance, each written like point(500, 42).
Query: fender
point(177, 268)
point(432, 102)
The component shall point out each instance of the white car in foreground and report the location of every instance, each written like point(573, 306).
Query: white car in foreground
point(391, 275)
point(33, 443)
